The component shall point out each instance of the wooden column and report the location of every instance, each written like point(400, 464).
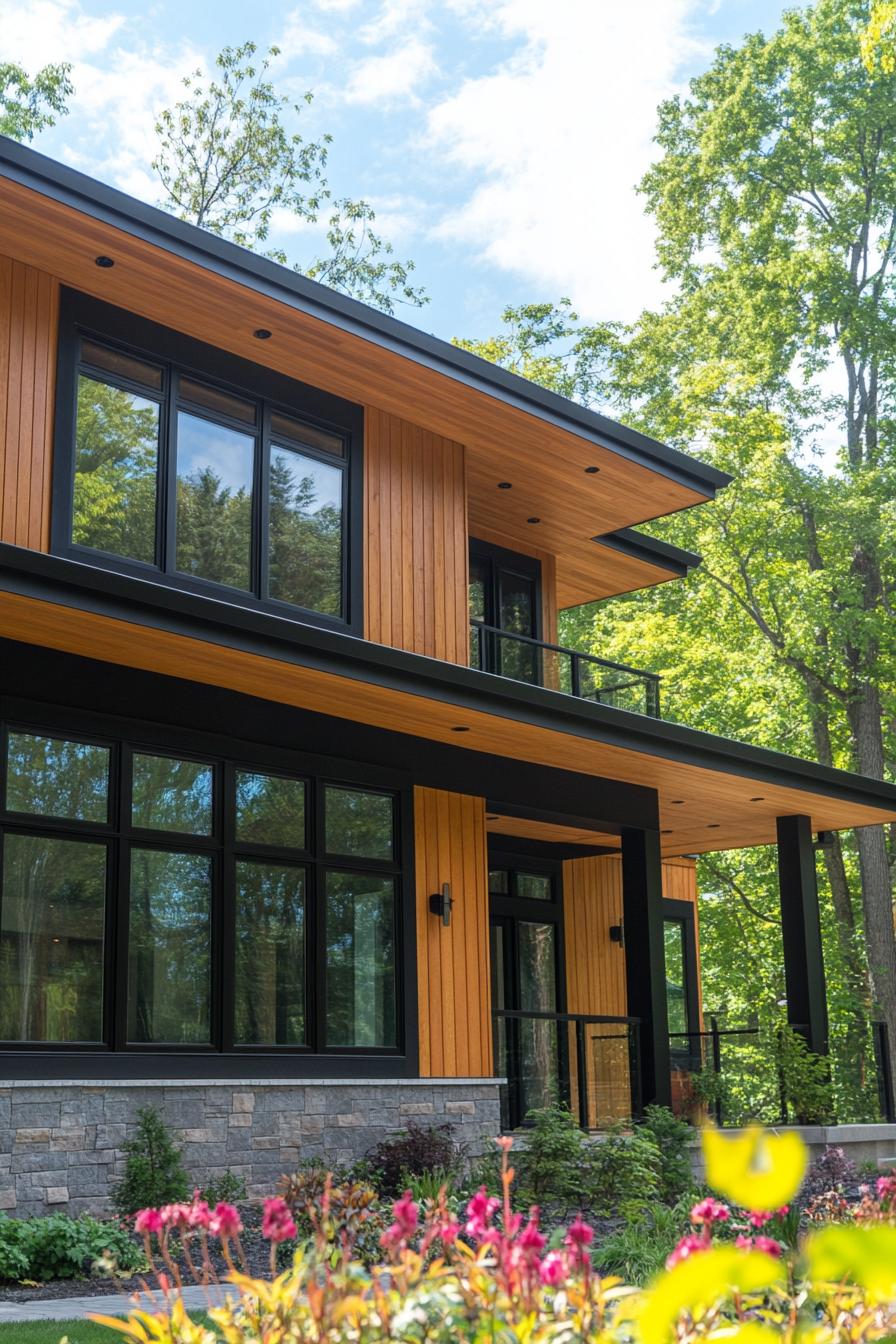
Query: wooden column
point(645, 959)
point(801, 927)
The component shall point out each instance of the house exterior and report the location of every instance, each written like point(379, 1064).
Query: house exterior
point(309, 827)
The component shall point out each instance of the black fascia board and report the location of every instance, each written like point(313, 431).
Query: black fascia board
point(88, 588)
point(628, 541)
point(69, 187)
point(545, 849)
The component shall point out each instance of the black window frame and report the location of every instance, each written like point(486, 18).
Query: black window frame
point(684, 914)
point(81, 316)
point(116, 1055)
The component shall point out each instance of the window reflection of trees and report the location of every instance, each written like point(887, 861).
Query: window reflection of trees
point(116, 469)
point(169, 954)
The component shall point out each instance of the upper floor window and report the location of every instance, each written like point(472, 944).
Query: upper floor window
point(177, 460)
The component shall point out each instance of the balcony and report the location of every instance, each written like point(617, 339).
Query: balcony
point(558, 669)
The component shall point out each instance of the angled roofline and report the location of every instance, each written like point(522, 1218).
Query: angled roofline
point(69, 583)
point(639, 546)
point(48, 177)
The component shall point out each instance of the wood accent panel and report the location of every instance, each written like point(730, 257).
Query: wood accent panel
point(717, 812)
point(415, 539)
point(546, 830)
point(595, 966)
point(453, 963)
point(29, 309)
point(545, 462)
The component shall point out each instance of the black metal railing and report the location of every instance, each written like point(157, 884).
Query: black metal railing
point(737, 1075)
point(521, 658)
point(588, 1061)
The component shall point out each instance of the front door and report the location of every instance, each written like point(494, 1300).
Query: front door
point(504, 602)
point(526, 974)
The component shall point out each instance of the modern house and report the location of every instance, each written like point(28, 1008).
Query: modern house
point(309, 827)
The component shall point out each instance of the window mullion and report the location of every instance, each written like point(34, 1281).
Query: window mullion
point(261, 512)
point(168, 483)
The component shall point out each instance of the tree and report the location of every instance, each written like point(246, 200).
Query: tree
point(228, 161)
point(30, 105)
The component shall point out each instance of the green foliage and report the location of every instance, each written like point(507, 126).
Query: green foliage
point(622, 1174)
point(153, 1173)
point(29, 105)
point(805, 1079)
point(549, 1167)
point(226, 1189)
point(418, 1151)
point(638, 1249)
point(672, 1138)
point(228, 160)
point(60, 1247)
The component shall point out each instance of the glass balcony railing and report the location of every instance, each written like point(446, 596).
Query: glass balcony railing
point(558, 669)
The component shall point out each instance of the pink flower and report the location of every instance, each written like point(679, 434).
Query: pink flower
point(225, 1222)
point(759, 1218)
point(173, 1215)
point(531, 1240)
point(198, 1213)
point(886, 1187)
point(709, 1211)
point(406, 1214)
point(552, 1269)
point(579, 1237)
point(448, 1232)
point(688, 1246)
point(480, 1211)
point(148, 1220)
point(743, 1243)
point(768, 1245)
point(276, 1222)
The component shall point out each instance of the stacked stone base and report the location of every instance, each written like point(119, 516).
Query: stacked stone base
point(61, 1142)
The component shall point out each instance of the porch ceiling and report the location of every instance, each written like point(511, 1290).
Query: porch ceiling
point(525, 828)
point(713, 794)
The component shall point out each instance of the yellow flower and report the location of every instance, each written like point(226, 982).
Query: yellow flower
point(698, 1283)
point(756, 1170)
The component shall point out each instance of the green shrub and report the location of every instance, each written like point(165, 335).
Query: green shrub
point(621, 1174)
point(549, 1168)
point(226, 1189)
point(672, 1137)
point(638, 1249)
point(417, 1151)
point(153, 1173)
point(60, 1247)
point(805, 1079)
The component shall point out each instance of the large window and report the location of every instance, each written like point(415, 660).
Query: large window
point(213, 474)
point(168, 900)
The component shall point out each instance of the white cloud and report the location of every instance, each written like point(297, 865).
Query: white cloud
point(558, 137)
point(298, 39)
point(336, 6)
point(395, 76)
point(45, 31)
point(396, 18)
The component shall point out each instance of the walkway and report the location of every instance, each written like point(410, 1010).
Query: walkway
point(114, 1304)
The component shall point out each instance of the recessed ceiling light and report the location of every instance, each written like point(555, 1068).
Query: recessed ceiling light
point(105, 262)
point(760, 799)
point(491, 816)
point(591, 471)
point(713, 825)
point(533, 520)
point(676, 802)
point(665, 832)
point(460, 729)
point(504, 485)
point(262, 334)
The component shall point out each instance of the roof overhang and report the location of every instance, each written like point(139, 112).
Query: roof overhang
point(713, 794)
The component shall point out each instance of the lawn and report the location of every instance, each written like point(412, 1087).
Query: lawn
point(51, 1332)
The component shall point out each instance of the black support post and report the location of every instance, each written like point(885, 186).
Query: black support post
point(801, 926)
point(645, 959)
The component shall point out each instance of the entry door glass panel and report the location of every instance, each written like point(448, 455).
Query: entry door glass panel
point(537, 954)
point(516, 615)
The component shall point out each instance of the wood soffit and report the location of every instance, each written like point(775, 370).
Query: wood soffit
point(546, 464)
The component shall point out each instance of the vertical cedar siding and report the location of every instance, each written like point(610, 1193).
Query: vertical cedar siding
point(29, 305)
point(453, 988)
point(415, 539)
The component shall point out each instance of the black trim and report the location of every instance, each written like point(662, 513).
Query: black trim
point(83, 587)
point(683, 913)
point(651, 550)
point(80, 315)
point(60, 183)
point(804, 975)
point(549, 850)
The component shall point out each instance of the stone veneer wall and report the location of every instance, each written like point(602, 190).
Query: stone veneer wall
point(60, 1142)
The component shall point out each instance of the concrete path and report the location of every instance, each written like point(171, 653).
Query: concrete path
point(115, 1304)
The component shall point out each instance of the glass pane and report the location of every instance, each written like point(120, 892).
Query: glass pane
point(517, 604)
point(476, 590)
point(169, 951)
point(171, 795)
point(126, 366)
point(360, 960)
point(52, 918)
point(270, 954)
point(213, 399)
point(51, 777)
point(497, 938)
point(676, 997)
point(498, 883)
point(270, 810)
point(305, 542)
point(116, 470)
point(534, 886)
point(214, 501)
point(539, 1043)
point(359, 823)
point(285, 426)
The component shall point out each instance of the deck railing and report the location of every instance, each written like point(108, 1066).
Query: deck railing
point(589, 1061)
point(559, 669)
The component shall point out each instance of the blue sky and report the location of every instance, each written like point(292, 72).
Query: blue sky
point(498, 140)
